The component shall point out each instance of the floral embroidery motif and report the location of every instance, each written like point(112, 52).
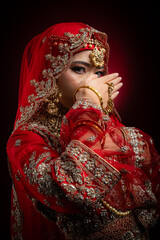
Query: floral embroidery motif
point(40, 173)
point(124, 149)
point(59, 63)
point(73, 166)
point(135, 139)
point(18, 143)
point(86, 103)
point(147, 217)
point(91, 139)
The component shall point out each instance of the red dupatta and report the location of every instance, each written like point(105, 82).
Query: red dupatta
point(100, 179)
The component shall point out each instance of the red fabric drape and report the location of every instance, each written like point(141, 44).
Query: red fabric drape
point(59, 183)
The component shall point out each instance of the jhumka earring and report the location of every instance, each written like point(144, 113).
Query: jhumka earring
point(52, 104)
point(54, 112)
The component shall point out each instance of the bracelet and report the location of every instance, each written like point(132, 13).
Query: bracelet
point(90, 123)
point(94, 90)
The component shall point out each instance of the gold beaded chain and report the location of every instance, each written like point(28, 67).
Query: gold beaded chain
point(117, 212)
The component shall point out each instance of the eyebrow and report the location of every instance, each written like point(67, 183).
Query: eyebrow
point(84, 63)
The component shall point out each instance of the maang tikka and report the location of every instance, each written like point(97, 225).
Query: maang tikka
point(97, 55)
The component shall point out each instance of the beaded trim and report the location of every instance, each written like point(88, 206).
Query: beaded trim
point(117, 212)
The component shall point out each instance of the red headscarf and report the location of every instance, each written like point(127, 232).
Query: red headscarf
point(47, 57)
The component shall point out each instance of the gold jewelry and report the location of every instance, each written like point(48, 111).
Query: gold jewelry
point(90, 123)
point(53, 102)
point(110, 87)
point(98, 53)
point(110, 104)
point(117, 212)
point(94, 90)
point(97, 56)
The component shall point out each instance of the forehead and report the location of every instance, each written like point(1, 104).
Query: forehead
point(82, 56)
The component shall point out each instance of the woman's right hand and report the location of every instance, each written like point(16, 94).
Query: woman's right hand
point(100, 85)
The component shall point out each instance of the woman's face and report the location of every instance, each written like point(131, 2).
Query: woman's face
point(80, 68)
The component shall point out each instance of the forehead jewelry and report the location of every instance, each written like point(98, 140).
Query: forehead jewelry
point(98, 53)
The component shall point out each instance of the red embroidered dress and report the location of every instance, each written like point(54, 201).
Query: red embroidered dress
point(77, 174)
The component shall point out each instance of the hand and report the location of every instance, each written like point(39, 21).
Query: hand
point(99, 84)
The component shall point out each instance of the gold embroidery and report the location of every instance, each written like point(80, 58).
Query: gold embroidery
point(74, 164)
point(18, 143)
point(135, 139)
point(18, 217)
point(39, 174)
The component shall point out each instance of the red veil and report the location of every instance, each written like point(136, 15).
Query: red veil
point(47, 57)
point(99, 179)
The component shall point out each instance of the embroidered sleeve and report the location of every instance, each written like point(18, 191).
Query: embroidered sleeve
point(145, 157)
point(31, 159)
point(76, 173)
point(83, 122)
point(83, 175)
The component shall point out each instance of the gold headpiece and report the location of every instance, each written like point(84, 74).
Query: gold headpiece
point(98, 52)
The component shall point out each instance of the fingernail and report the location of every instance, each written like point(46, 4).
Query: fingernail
point(116, 74)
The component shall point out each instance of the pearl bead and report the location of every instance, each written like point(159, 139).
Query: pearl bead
point(115, 210)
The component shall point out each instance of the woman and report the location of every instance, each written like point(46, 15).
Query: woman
point(77, 171)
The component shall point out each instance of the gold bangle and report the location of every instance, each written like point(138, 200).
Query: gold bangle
point(94, 90)
point(88, 122)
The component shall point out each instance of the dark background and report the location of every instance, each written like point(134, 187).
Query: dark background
point(133, 32)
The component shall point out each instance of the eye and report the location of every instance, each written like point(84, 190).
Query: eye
point(78, 69)
point(100, 73)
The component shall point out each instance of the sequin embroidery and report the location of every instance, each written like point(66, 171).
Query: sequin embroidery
point(71, 169)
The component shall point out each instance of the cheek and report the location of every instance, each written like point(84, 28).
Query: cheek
point(68, 82)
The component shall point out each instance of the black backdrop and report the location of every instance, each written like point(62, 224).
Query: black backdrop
point(133, 32)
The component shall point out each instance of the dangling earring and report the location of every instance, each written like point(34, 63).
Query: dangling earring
point(53, 102)
point(51, 106)
point(54, 118)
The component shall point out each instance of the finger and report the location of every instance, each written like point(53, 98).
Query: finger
point(109, 77)
point(117, 87)
point(116, 80)
point(114, 95)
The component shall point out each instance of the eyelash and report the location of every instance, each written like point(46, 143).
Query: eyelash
point(81, 70)
point(78, 69)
